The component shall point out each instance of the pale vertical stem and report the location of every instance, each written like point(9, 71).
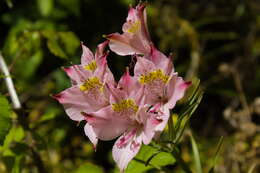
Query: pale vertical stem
point(9, 83)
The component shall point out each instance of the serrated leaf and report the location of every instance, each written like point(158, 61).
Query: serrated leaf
point(89, 168)
point(55, 48)
point(5, 118)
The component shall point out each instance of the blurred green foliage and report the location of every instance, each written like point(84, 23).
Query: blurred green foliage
point(216, 41)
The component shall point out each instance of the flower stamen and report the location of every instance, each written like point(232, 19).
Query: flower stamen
point(91, 83)
point(134, 27)
point(91, 66)
point(150, 77)
point(124, 105)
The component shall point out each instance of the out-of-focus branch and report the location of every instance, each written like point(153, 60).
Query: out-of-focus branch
point(9, 84)
point(241, 93)
point(17, 105)
point(194, 65)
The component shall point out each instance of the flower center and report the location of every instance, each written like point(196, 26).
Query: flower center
point(127, 105)
point(134, 27)
point(91, 66)
point(154, 75)
point(91, 83)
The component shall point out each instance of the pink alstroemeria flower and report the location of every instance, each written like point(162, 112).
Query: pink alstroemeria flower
point(89, 91)
point(135, 38)
point(162, 84)
point(128, 116)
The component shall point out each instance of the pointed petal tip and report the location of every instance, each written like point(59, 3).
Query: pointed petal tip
point(83, 46)
point(105, 42)
point(111, 36)
point(141, 6)
point(66, 69)
point(57, 97)
point(187, 84)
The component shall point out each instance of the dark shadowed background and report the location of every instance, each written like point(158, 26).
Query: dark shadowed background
point(215, 41)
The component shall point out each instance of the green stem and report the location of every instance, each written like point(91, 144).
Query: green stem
point(171, 129)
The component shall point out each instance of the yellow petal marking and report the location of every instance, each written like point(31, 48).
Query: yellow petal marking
point(134, 27)
point(125, 105)
point(91, 83)
point(150, 77)
point(91, 66)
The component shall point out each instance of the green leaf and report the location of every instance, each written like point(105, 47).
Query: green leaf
point(163, 159)
point(137, 166)
point(193, 101)
point(220, 142)
point(17, 164)
point(196, 155)
point(89, 168)
point(55, 48)
point(143, 158)
point(13, 164)
point(31, 65)
point(70, 41)
point(71, 6)
point(49, 114)
point(45, 7)
point(5, 118)
point(16, 134)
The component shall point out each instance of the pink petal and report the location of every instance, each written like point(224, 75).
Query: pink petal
point(123, 154)
point(121, 44)
point(100, 49)
point(175, 90)
point(74, 102)
point(150, 125)
point(103, 72)
point(129, 84)
point(87, 56)
point(106, 124)
point(132, 15)
point(77, 74)
point(143, 66)
point(161, 61)
point(91, 134)
point(116, 94)
point(143, 17)
point(96, 98)
point(135, 38)
point(163, 115)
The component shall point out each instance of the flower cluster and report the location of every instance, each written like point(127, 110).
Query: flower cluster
point(136, 108)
